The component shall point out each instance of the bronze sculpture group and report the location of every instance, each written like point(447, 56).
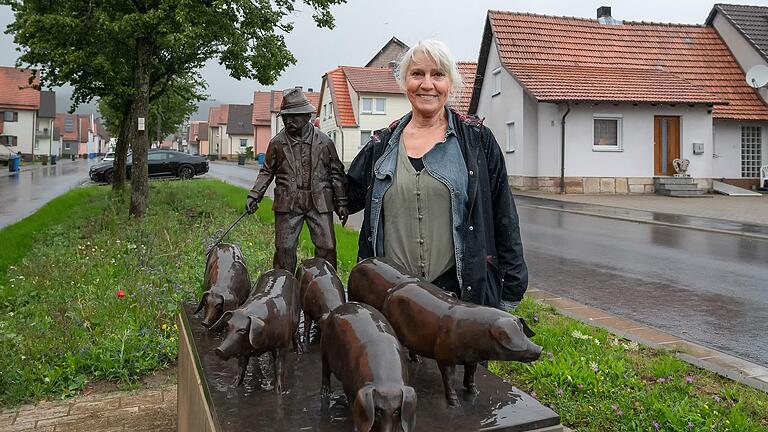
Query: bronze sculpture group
point(363, 341)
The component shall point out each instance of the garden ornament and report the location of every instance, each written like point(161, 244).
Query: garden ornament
point(267, 322)
point(360, 348)
point(309, 183)
point(226, 282)
point(320, 292)
point(433, 324)
point(371, 279)
point(681, 167)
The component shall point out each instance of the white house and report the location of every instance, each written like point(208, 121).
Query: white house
point(19, 105)
point(608, 105)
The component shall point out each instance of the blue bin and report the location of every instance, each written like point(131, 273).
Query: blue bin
point(14, 163)
point(260, 158)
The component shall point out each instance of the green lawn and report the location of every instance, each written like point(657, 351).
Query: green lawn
point(62, 323)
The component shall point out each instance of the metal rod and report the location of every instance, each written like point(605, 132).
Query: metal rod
point(245, 213)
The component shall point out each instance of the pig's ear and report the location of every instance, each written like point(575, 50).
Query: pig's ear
point(223, 320)
point(363, 409)
point(257, 325)
point(408, 409)
point(508, 334)
point(526, 330)
point(230, 303)
point(202, 303)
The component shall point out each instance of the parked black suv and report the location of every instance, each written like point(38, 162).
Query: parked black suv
point(159, 162)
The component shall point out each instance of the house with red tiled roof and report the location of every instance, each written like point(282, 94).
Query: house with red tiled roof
point(198, 137)
point(19, 105)
point(266, 122)
point(354, 102)
point(217, 129)
point(67, 125)
point(745, 30)
point(609, 104)
point(467, 71)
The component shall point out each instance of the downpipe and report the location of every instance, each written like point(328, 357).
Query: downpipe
point(562, 148)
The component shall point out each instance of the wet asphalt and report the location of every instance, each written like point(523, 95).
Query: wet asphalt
point(706, 287)
point(22, 193)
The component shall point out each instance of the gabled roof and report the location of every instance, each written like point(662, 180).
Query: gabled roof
point(218, 115)
point(15, 90)
point(750, 21)
point(576, 59)
point(262, 115)
point(371, 80)
point(239, 120)
point(391, 51)
point(71, 135)
point(467, 71)
point(336, 81)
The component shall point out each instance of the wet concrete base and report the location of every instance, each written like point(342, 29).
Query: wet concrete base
point(255, 407)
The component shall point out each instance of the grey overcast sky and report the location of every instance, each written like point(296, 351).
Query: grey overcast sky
point(364, 26)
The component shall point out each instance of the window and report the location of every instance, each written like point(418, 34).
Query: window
point(373, 105)
point(330, 109)
point(607, 132)
point(325, 111)
point(66, 146)
point(69, 124)
point(332, 136)
point(751, 143)
point(243, 143)
point(37, 145)
point(510, 137)
point(496, 79)
point(365, 136)
point(9, 140)
point(10, 116)
point(159, 156)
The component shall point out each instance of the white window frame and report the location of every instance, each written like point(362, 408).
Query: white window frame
point(373, 110)
point(751, 149)
point(363, 143)
point(243, 143)
point(510, 137)
point(619, 147)
point(67, 146)
point(496, 81)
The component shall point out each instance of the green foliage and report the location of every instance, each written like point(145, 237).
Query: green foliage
point(598, 382)
point(62, 323)
point(249, 152)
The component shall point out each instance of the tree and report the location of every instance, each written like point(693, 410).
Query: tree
point(146, 45)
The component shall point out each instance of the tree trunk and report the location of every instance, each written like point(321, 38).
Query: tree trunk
point(140, 141)
point(121, 152)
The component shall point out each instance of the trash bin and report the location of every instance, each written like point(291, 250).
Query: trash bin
point(44, 159)
point(73, 157)
point(260, 158)
point(13, 163)
point(53, 159)
point(241, 159)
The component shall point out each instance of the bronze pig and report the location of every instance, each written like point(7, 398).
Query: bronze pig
point(320, 291)
point(268, 322)
point(360, 347)
point(226, 282)
point(371, 278)
point(434, 324)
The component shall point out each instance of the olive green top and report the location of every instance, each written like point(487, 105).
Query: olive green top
point(418, 231)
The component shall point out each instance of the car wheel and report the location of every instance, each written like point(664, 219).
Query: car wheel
point(109, 176)
point(186, 172)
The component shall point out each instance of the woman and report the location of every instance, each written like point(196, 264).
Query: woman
point(434, 189)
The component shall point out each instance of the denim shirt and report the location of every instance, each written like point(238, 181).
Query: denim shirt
point(445, 163)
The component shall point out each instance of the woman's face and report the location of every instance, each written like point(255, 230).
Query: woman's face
point(426, 85)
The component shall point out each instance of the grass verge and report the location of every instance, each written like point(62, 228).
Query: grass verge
point(86, 293)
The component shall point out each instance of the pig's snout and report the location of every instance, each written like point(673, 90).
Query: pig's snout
point(221, 354)
point(210, 318)
point(532, 353)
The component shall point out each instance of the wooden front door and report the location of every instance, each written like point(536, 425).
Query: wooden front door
point(666, 144)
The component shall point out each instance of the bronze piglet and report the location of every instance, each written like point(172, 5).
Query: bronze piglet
point(359, 346)
point(268, 322)
point(434, 324)
point(320, 291)
point(226, 282)
point(371, 278)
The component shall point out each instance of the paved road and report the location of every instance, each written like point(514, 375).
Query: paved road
point(24, 192)
point(710, 288)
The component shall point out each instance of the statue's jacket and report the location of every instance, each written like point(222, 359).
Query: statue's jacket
point(327, 181)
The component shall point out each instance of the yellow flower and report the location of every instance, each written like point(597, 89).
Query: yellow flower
point(164, 326)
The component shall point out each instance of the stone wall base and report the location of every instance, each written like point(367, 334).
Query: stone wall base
point(593, 185)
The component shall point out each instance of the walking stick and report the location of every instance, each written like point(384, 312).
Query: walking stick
point(245, 213)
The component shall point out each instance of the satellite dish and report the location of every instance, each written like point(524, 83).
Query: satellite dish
point(757, 76)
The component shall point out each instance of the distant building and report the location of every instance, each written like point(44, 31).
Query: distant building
point(198, 137)
point(265, 120)
point(389, 54)
point(19, 105)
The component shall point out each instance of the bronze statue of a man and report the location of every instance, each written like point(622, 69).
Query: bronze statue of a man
point(309, 183)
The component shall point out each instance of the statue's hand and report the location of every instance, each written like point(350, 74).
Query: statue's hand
point(343, 214)
point(251, 205)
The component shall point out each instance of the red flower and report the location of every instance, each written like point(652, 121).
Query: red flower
point(120, 293)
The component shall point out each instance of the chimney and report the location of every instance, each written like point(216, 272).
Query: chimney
point(604, 12)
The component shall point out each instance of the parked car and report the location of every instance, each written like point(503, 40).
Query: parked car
point(110, 156)
point(161, 163)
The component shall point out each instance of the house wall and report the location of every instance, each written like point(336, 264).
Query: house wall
point(235, 148)
point(262, 136)
point(23, 129)
point(727, 147)
point(45, 144)
point(73, 149)
point(396, 106)
point(204, 148)
point(390, 52)
point(742, 50)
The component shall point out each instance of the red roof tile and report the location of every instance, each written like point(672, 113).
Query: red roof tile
point(277, 99)
point(343, 111)
point(371, 80)
point(15, 90)
point(261, 109)
point(558, 58)
point(218, 115)
point(67, 135)
point(467, 71)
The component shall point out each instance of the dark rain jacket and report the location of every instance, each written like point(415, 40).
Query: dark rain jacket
point(494, 268)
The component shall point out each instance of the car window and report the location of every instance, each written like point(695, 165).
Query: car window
point(157, 156)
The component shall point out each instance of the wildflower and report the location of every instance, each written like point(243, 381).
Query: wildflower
point(661, 380)
point(580, 386)
point(716, 398)
point(164, 326)
point(656, 425)
point(690, 425)
point(619, 413)
point(535, 317)
point(550, 356)
point(688, 378)
point(593, 365)
point(597, 342)
point(560, 392)
point(120, 293)
point(614, 407)
point(579, 335)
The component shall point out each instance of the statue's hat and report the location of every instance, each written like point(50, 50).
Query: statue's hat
point(294, 102)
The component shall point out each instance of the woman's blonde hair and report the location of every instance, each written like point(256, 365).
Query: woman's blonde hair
point(442, 56)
